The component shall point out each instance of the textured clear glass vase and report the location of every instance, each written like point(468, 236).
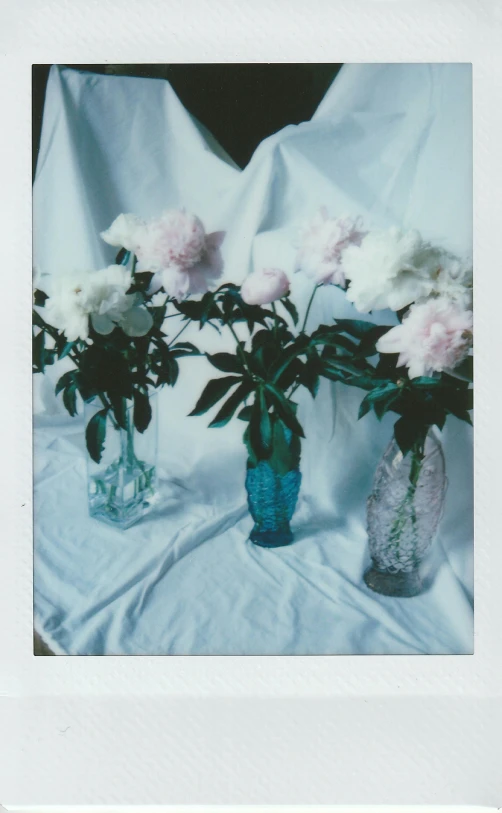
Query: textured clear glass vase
point(403, 513)
point(273, 486)
point(122, 486)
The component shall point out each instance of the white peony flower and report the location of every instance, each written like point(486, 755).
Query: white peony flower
point(453, 279)
point(390, 269)
point(127, 231)
point(101, 296)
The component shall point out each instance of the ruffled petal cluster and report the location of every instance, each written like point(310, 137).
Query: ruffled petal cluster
point(175, 247)
point(434, 336)
point(323, 241)
point(98, 296)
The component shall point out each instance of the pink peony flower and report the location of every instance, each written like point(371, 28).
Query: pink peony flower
point(435, 335)
point(323, 242)
point(175, 239)
point(264, 286)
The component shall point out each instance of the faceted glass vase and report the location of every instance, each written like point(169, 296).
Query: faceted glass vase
point(403, 513)
point(122, 486)
point(272, 488)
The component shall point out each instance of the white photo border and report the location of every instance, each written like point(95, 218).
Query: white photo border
point(248, 730)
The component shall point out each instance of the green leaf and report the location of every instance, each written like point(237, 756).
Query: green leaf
point(265, 425)
point(291, 309)
point(39, 298)
point(38, 351)
point(213, 392)
point(357, 327)
point(367, 345)
point(425, 382)
point(384, 393)
point(65, 381)
point(285, 451)
point(168, 370)
point(188, 348)
point(364, 407)
point(142, 410)
point(95, 434)
point(70, 399)
point(260, 429)
point(228, 409)
point(465, 369)
point(226, 362)
point(122, 255)
point(309, 376)
point(158, 314)
point(191, 310)
point(119, 406)
point(245, 414)
point(210, 310)
point(68, 347)
point(284, 409)
point(409, 434)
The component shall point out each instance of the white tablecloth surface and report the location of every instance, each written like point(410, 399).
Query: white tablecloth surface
point(389, 142)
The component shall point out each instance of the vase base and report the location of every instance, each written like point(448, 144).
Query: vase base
point(121, 499)
point(400, 585)
point(271, 539)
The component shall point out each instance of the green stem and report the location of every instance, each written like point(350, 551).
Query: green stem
point(179, 333)
point(239, 347)
point(308, 308)
point(399, 524)
point(275, 320)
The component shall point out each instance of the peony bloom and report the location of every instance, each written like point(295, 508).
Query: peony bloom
point(264, 286)
point(435, 335)
point(453, 279)
point(180, 281)
point(183, 258)
point(101, 296)
point(390, 269)
point(126, 231)
point(322, 244)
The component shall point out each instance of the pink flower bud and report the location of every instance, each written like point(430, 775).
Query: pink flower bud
point(264, 286)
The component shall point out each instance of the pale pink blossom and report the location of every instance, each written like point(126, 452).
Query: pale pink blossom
point(127, 231)
point(264, 286)
point(178, 281)
point(323, 241)
point(175, 239)
point(435, 335)
point(175, 247)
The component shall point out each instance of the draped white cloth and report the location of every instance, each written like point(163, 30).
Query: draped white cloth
point(389, 142)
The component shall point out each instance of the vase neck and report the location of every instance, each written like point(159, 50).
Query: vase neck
point(127, 456)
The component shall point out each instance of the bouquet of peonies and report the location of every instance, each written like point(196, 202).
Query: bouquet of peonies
point(420, 369)
point(111, 322)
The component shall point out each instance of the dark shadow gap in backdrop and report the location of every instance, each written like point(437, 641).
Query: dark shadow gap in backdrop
point(240, 104)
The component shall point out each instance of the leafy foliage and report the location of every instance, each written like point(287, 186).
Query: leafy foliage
point(419, 402)
point(115, 369)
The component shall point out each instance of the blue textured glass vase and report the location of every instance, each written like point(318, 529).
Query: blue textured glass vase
point(272, 487)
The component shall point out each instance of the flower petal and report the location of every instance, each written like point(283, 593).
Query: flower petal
point(102, 323)
point(136, 322)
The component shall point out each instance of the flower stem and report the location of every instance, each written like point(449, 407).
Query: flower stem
point(240, 351)
point(275, 320)
point(308, 308)
point(179, 333)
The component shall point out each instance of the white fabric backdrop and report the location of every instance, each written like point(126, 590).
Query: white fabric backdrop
point(389, 142)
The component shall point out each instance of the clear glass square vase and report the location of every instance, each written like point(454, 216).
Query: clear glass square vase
point(122, 487)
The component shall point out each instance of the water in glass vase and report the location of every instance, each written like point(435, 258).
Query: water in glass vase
point(122, 486)
point(403, 513)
